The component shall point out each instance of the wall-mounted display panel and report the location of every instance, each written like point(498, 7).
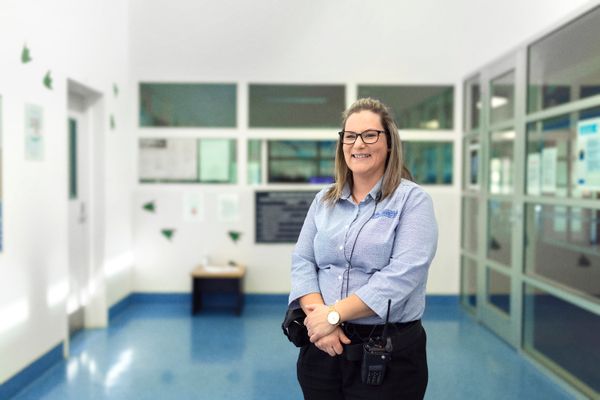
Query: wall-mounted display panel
point(431, 163)
point(296, 106)
point(301, 161)
point(565, 65)
point(207, 105)
point(416, 107)
point(187, 160)
point(502, 99)
point(563, 155)
point(280, 215)
point(568, 344)
point(563, 245)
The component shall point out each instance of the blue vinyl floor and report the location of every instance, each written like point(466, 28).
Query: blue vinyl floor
point(157, 351)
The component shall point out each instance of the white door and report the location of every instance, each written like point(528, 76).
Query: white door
point(79, 232)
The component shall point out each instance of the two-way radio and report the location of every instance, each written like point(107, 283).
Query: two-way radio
point(376, 354)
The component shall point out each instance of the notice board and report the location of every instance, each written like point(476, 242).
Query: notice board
point(280, 215)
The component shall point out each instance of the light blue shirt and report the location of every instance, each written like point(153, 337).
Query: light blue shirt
point(391, 256)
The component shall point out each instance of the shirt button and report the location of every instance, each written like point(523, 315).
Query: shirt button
point(339, 277)
point(342, 247)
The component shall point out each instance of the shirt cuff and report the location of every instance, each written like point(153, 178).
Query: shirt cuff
point(302, 290)
point(373, 301)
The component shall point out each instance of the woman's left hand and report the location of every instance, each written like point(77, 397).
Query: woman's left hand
point(316, 321)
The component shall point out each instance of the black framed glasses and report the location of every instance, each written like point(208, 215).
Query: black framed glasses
point(369, 136)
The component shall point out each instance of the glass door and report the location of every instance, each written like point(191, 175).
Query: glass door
point(491, 213)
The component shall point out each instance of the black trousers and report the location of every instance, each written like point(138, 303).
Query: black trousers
point(337, 378)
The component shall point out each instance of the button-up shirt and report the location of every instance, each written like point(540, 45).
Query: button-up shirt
point(377, 250)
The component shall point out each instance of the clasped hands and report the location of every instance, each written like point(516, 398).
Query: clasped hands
point(328, 338)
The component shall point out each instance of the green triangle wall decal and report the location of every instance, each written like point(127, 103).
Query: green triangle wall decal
point(25, 55)
point(149, 207)
point(168, 233)
point(234, 235)
point(48, 80)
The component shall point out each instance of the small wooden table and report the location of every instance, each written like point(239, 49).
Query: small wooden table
point(216, 280)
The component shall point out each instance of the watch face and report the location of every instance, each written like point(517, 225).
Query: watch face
point(333, 317)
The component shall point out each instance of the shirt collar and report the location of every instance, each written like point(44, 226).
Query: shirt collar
point(346, 192)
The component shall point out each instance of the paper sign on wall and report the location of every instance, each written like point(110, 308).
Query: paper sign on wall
point(193, 207)
point(34, 128)
point(588, 154)
point(228, 207)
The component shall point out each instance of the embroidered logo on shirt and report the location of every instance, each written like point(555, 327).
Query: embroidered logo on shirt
point(386, 213)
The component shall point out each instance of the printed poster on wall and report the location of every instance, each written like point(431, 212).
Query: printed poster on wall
point(193, 207)
point(228, 207)
point(34, 133)
point(588, 154)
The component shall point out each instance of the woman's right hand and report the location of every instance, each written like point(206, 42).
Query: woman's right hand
point(332, 343)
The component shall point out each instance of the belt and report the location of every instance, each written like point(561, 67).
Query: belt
point(400, 340)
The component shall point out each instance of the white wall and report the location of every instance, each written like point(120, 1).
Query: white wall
point(337, 41)
point(85, 41)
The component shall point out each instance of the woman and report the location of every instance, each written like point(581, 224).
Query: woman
point(367, 241)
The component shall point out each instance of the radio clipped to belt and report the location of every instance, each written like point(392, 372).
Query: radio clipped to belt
point(377, 352)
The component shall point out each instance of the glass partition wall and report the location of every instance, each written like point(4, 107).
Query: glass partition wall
point(530, 255)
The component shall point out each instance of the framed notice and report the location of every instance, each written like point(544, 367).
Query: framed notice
point(34, 129)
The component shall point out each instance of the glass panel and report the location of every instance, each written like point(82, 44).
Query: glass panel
point(498, 290)
point(501, 162)
point(471, 153)
point(416, 107)
point(72, 158)
point(502, 101)
point(564, 66)
point(472, 104)
point(499, 231)
point(563, 155)
point(568, 344)
point(468, 283)
point(217, 160)
point(562, 244)
point(296, 106)
point(429, 162)
point(470, 234)
point(187, 160)
point(254, 161)
point(188, 104)
point(301, 161)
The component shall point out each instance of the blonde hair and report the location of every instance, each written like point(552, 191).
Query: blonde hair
point(395, 170)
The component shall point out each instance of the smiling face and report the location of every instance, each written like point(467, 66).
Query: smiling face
point(365, 160)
